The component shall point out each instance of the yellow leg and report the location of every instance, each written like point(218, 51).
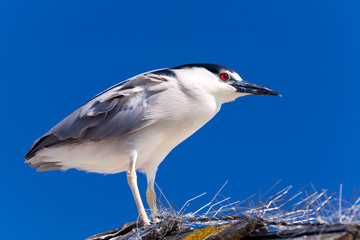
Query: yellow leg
point(150, 192)
point(151, 199)
point(132, 180)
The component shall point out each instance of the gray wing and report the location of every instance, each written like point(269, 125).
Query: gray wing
point(118, 110)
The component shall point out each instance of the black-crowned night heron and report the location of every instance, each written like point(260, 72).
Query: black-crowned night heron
point(136, 123)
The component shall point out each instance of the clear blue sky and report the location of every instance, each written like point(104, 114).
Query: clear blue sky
point(56, 55)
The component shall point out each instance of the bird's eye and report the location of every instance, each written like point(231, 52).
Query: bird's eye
point(224, 76)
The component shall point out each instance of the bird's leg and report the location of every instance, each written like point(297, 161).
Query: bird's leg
point(151, 198)
point(132, 180)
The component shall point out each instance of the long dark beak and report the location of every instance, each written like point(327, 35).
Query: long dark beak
point(254, 89)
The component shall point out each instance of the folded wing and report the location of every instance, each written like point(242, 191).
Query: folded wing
point(117, 111)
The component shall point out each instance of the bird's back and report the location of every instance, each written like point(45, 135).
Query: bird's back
point(117, 111)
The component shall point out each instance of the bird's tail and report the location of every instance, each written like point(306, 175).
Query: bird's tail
point(42, 163)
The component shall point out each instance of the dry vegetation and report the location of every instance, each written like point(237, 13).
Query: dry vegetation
point(277, 213)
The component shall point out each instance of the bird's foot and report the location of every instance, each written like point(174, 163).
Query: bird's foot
point(145, 221)
point(156, 220)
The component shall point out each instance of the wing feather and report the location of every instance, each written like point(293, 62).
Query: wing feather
point(115, 112)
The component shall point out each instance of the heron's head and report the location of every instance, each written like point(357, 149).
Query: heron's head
point(219, 80)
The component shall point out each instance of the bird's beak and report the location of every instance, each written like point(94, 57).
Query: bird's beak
point(254, 89)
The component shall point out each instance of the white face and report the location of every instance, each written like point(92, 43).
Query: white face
point(232, 75)
point(205, 81)
point(227, 78)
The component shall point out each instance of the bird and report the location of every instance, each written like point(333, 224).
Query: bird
point(133, 125)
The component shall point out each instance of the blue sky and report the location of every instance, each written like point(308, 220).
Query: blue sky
point(54, 56)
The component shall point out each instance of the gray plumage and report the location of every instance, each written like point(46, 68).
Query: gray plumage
point(118, 110)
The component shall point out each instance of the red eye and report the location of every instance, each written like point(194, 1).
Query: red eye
point(224, 76)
